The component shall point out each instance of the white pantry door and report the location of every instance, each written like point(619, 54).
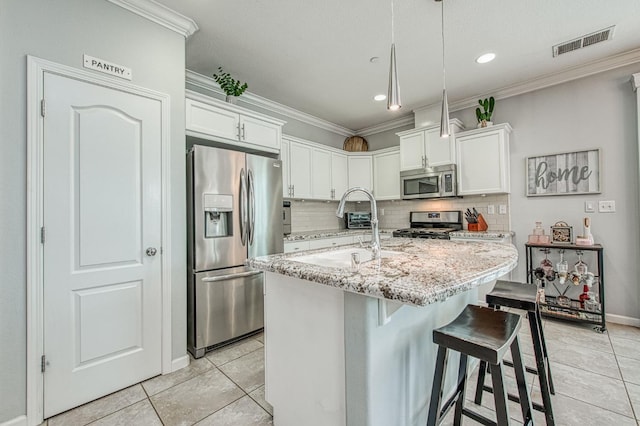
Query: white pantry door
point(102, 211)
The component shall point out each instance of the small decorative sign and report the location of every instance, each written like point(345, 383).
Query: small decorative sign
point(569, 173)
point(107, 67)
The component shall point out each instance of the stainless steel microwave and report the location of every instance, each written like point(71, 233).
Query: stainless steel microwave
point(434, 182)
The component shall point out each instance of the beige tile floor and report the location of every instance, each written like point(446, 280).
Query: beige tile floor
point(597, 379)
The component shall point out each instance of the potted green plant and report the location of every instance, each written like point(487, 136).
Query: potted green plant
point(232, 88)
point(484, 117)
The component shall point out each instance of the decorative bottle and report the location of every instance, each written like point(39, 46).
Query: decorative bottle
point(584, 296)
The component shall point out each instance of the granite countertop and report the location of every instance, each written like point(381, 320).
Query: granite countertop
point(426, 271)
point(482, 234)
point(330, 233)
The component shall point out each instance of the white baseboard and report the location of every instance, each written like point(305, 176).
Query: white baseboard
point(18, 421)
point(179, 363)
point(621, 319)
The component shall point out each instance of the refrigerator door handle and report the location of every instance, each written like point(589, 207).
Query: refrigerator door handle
point(252, 206)
point(243, 207)
point(230, 276)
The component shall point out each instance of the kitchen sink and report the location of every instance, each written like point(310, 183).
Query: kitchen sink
point(342, 258)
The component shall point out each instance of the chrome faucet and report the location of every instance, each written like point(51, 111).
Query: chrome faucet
point(375, 235)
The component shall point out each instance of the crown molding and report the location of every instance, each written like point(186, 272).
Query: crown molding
point(160, 14)
point(208, 83)
point(387, 125)
point(635, 81)
point(553, 79)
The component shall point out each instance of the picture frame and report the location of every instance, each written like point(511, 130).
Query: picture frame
point(566, 173)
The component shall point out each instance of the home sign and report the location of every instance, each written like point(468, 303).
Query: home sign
point(569, 173)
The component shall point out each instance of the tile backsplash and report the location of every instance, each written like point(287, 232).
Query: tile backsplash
point(320, 215)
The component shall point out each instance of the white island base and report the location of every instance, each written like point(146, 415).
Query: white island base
point(335, 358)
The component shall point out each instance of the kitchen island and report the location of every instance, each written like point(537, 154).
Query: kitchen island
point(345, 347)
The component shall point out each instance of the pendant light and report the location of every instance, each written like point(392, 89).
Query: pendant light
point(444, 116)
point(393, 97)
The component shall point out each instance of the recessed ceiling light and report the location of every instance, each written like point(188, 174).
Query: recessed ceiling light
point(380, 97)
point(487, 57)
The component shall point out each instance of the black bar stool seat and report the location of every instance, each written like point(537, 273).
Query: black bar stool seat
point(486, 334)
point(523, 296)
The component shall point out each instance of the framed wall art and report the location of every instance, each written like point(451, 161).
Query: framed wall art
point(568, 173)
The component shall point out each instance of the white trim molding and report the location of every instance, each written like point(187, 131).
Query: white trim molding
point(36, 69)
point(179, 363)
point(207, 83)
point(18, 421)
point(160, 14)
point(623, 320)
point(635, 81)
point(387, 125)
point(552, 79)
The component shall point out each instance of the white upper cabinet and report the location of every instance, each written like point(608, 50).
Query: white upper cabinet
point(321, 188)
point(300, 170)
point(286, 179)
point(212, 119)
point(423, 147)
point(360, 174)
point(483, 160)
point(386, 174)
point(339, 175)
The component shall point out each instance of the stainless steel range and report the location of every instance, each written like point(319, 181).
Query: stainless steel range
point(436, 225)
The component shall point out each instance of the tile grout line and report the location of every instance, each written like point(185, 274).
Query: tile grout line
point(624, 382)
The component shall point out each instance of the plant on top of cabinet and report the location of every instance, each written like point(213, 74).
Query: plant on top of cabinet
point(230, 86)
point(484, 117)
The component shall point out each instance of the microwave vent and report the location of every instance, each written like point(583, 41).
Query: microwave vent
point(584, 41)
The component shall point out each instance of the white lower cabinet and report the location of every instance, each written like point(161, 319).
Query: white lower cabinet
point(386, 176)
point(301, 245)
point(293, 246)
point(330, 242)
point(483, 160)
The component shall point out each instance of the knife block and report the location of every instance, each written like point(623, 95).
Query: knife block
point(480, 226)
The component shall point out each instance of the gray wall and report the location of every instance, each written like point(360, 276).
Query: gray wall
point(593, 112)
point(386, 139)
point(61, 31)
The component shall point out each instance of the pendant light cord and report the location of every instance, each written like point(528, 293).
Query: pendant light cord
point(444, 77)
point(392, 19)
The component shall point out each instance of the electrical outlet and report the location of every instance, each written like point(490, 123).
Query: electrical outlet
point(503, 209)
point(606, 206)
point(589, 207)
point(381, 212)
point(491, 209)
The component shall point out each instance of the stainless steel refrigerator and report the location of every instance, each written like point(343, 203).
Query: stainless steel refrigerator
point(234, 212)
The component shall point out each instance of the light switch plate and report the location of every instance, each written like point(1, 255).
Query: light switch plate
point(503, 209)
point(607, 206)
point(491, 209)
point(589, 207)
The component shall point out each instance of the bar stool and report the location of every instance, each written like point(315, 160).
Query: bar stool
point(523, 296)
point(485, 334)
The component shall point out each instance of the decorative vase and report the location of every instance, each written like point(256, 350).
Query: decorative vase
point(231, 99)
point(485, 123)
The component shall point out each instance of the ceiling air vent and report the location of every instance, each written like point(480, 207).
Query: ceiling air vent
point(584, 41)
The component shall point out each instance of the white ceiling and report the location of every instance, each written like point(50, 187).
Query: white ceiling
point(314, 55)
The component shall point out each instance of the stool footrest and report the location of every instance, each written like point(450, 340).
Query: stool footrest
point(529, 369)
point(515, 398)
point(478, 417)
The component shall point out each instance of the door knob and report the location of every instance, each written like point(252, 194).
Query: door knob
point(151, 251)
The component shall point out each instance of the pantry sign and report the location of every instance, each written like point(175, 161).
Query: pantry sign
point(569, 173)
point(107, 67)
